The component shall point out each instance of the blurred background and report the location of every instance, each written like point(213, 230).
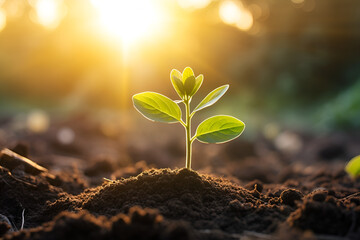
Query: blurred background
point(72, 65)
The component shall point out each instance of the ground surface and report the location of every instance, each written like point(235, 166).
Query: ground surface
point(260, 189)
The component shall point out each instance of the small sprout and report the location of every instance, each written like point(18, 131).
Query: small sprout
point(159, 108)
point(353, 167)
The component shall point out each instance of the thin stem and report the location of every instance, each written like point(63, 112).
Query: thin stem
point(188, 134)
point(182, 123)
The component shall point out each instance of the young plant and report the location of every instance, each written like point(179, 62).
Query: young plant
point(157, 107)
point(353, 167)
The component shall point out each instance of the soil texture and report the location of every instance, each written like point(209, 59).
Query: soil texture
point(263, 192)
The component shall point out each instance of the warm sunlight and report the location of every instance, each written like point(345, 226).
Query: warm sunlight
point(194, 4)
point(235, 14)
point(128, 20)
point(49, 12)
point(2, 19)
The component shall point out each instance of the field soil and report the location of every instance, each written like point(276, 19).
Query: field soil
point(101, 186)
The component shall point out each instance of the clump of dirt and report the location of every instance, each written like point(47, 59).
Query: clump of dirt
point(131, 171)
point(325, 214)
point(24, 192)
point(4, 228)
point(204, 201)
point(21, 191)
point(99, 167)
point(290, 196)
point(137, 224)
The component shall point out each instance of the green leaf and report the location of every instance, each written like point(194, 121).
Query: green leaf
point(212, 97)
point(353, 167)
point(157, 107)
point(198, 81)
point(219, 129)
point(188, 72)
point(176, 80)
point(189, 85)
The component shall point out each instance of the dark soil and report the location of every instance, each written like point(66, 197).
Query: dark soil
point(107, 198)
point(195, 205)
point(137, 224)
point(204, 201)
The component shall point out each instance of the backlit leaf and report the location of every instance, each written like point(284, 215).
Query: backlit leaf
point(212, 97)
point(187, 73)
point(198, 81)
point(219, 129)
point(189, 85)
point(353, 167)
point(157, 107)
point(176, 80)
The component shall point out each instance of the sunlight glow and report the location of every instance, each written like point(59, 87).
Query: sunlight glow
point(246, 21)
point(235, 14)
point(297, 1)
point(230, 12)
point(2, 19)
point(49, 12)
point(193, 4)
point(128, 20)
point(13, 8)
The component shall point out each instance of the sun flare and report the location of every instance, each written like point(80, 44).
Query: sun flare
point(128, 20)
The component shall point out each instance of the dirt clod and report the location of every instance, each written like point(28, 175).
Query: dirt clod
point(322, 217)
point(290, 196)
point(4, 228)
point(319, 195)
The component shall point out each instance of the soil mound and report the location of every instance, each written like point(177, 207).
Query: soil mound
point(325, 214)
point(204, 201)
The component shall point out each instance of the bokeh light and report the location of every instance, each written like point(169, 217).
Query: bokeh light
point(230, 12)
point(48, 12)
point(246, 21)
point(193, 4)
point(2, 19)
point(13, 8)
point(234, 13)
point(65, 135)
point(297, 1)
point(37, 121)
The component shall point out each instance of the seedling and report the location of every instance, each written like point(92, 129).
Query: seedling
point(159, 108)
point(353, 167)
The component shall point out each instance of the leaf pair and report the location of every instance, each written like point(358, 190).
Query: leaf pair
point(157, 107)
point(185, 84)
point(217, 129)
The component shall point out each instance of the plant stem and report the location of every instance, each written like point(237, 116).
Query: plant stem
point(188, 134)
